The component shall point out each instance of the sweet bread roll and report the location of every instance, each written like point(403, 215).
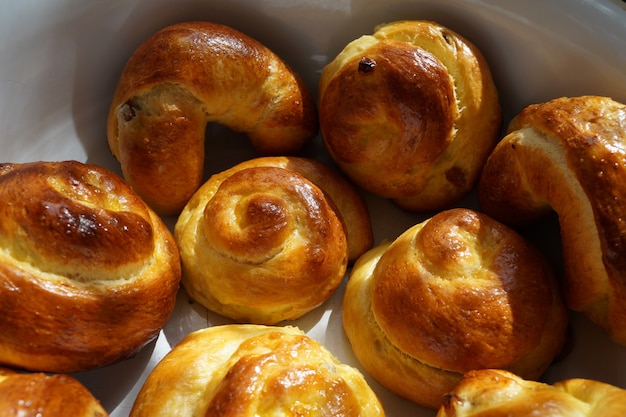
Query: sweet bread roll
point(410, 113)
point(38, 395)
point(190, 74)
point(569, 155)
point(498, 393)
point(456, 292)
point(270, 239)
point(253, 370)
point(88, 272)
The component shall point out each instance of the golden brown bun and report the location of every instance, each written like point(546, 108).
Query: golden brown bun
point(410, 113)
point(88, 272)
point(497, 393)
point(456, 292)
point(269, 239)
point(40, 395)
point(569, 155)
point(252, 370)
point(190, 74)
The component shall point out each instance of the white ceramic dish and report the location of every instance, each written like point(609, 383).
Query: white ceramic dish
point(61, 59)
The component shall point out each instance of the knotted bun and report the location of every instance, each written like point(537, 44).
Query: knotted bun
point(38, 394)
point(185, 76)
point(410, 113)
point(88, 272)
point(496, 393)
point(456, 292)
point(569, 155)
point(270, 239)
point(252, 370)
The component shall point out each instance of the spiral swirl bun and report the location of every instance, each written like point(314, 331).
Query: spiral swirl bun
point(265, 241)
point(569, 155)
point(38, 394)
point(251, 218)
point(186, 76)
point(77, 242)
point(410, 113)
point(251, 370)
point(456, 292)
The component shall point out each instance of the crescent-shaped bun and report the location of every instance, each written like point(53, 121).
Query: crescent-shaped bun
point(498, 393)
point(569, 155)
point(270, 238)
point(38, 395)
point(410, 113)
point(456, 292)
point(252, 370)
point(190, 74)
point(88, 272)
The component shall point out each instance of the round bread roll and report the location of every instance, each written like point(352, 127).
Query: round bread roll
point(88, 272)
point(270, 239)
point(498, 393)
point(569, 155)
point(186, 76)
point(410, 113)
point(253, 370)
point(38, 395)
point(456, 292)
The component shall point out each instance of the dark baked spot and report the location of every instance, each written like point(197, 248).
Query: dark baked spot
point(447, 399)
point(366, 65)
point(127, 111)
point(456, 176)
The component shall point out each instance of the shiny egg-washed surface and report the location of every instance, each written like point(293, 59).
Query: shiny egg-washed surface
point(88, 272)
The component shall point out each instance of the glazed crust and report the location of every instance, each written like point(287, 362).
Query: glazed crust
point(38, 394)
point(88, 272)
point(410, 113)
point(190, 74)
point(252, 370)
point(456, 292)
point(270, 239)
point(498, 393)
point(568, 155)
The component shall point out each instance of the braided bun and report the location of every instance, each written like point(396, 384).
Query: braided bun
point(252, 370)
point(569, 155)
point(456, 292)
point(494, 392)
point(185, 76)
point(88, 272)
point(410, 113)
point(38, 394)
